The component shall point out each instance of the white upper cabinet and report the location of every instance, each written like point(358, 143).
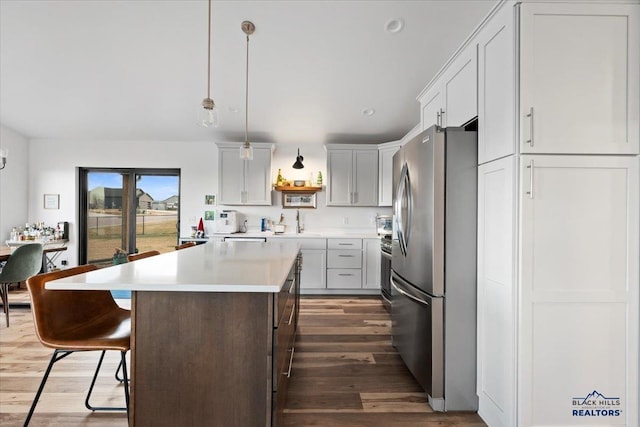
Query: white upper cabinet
point(244, 182)
point(431, 107)
point(496, 87)
point(385, 168)
point(461, 89)
point(352, 175)
point(579, 78)
point(451, 100)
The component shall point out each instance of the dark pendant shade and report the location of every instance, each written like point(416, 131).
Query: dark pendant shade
point(298, 164)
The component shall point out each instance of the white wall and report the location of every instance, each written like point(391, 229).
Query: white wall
point(13, 182)
point(53, 166)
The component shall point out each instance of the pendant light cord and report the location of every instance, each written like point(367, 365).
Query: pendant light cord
point(209, 56)
point(246, 97)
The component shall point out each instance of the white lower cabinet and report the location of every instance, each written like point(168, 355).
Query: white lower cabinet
point(558, 312)
point(344, 263)
point(371, 264)
point(578, 261)
point(496, 365)
point(314, 263)
point(339, 266)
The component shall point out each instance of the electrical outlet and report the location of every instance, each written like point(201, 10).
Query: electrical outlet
point(63, 262)
point(345, 220)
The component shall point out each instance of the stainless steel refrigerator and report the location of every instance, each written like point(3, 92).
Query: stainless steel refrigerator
point(433, 306)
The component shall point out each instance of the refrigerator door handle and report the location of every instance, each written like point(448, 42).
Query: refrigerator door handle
point(404, 198)
point(398, 287)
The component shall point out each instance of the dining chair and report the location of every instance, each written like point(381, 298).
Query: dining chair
point(69, 321)
point(141, 255)
point(185, 245)
point(23, 263)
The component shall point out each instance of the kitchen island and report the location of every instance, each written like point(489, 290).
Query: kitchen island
point(213, 331)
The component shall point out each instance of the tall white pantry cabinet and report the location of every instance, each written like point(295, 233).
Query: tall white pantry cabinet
point(558, 221)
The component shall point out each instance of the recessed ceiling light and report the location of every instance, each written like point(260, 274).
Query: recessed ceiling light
point(368, 112)
point(394, 25)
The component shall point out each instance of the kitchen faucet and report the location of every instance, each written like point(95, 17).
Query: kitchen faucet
point(299, 228)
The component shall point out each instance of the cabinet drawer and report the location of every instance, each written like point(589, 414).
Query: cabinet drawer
point(344, 259)
point(283, 299)
point(282, 346)
point(344, 244)
point(344, 278)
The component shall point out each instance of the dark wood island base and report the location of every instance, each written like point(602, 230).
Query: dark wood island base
point(212, 359)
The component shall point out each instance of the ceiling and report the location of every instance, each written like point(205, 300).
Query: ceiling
point(135, 70)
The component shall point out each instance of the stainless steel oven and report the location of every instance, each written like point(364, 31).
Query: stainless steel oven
point(385, 273)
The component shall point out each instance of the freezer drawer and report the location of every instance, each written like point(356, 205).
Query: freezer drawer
point(417, 330)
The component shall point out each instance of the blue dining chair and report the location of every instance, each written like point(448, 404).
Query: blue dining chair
point(24, 262)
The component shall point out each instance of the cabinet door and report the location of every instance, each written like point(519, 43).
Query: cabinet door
point(496, 88)
point(230, 177)
point(371, 264)
point(579, 78)
point(579, 288)
point(313, 273)
point(496, 372)
point(460, 87)
point(339, 185)
point(385, 177)
point(365, 178)
point(431, 107)
point(258, 178)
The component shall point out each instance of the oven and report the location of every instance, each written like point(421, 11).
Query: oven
point(385, 271)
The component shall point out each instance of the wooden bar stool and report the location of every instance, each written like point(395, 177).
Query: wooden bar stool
point(185, 245)
point(141, 255)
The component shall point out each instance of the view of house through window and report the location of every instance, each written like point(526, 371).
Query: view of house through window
point(129, 209)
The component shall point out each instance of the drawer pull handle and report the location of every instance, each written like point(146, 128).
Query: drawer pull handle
point(346, 256)
point(288, 372)
point(345, 244)
point(345, 274)
point(530, 117)
point(293, 310)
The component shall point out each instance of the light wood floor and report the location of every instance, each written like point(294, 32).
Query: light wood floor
point(345, 373)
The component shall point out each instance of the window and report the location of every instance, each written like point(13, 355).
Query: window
point(135, 210)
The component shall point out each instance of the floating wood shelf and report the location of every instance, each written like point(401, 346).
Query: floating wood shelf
point(294, 189)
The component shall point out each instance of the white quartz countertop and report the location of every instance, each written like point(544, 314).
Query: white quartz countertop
point(320, 234)
point(211, 267)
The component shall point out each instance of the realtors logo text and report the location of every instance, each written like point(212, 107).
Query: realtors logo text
point(595, 404)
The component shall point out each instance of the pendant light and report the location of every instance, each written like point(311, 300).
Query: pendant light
point(298, 164)
point(246, 151)
point(208, 112)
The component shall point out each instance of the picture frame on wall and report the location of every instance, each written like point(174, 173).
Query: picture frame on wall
point(299, 200)
point(210, 199)
point(209, 215)
point(52, 201)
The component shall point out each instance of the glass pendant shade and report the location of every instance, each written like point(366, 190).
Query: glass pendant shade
point(208, 114)
point(246, 151)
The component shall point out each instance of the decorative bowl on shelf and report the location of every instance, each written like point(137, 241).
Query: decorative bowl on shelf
point(298, 183)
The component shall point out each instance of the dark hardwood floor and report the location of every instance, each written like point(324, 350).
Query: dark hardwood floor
point(345, 373)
